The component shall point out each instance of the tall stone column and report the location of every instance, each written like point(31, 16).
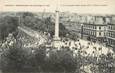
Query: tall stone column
point(57, 25)
point(56, 36)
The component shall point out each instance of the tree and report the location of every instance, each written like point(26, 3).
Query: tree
point(25, 14)
point(13, 59)
point(8, 24)
point(61, 61)
point(39, 57)
point(44, 24)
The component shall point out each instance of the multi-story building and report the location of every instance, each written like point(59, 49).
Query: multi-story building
point(111, 31)
point(94, 27)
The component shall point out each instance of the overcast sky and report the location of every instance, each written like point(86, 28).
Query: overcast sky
point(77, 6)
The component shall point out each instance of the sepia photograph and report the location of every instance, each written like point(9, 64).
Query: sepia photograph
point(67, 37)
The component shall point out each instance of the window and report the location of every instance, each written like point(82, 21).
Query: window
point(109, 34)
point(94, 27)
point(99, 33)
point(99, 27)
point(94, 33)
point(104, 34)
point(111, 27)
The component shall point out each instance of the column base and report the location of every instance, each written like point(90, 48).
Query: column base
point(57, 42)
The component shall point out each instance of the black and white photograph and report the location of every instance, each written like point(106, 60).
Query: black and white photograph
point(61, 40)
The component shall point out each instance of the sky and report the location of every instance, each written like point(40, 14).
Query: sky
point(76, 6)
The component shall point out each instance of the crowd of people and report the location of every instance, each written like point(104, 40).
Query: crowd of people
point(86, 47)
point(31, 38)
point(93, 57)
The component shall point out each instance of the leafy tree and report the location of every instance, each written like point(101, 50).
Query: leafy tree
point(44, 24)
point(25, 14)
point(8, 24)
point(39, 57)
point(61, 61)
point(13, 59)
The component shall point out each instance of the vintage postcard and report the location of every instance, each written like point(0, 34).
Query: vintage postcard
point(57, 36)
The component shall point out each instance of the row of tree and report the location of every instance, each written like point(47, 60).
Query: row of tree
point(9, 24)
point(44, 24)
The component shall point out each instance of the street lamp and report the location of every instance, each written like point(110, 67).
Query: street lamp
point(81, 31)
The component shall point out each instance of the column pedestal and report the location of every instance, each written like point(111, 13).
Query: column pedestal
point(57, 42)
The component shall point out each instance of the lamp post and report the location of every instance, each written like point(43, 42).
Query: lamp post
point(81, 31)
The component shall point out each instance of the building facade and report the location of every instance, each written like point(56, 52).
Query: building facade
point(95, 29)
point(111, 32)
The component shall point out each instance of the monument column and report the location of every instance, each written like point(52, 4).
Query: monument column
point(57, 25)
point(56, 36)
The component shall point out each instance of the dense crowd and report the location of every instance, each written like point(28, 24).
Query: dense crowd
point(51, 59)
point(87, 48)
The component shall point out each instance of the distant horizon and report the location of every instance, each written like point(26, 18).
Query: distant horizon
point(60, 12)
